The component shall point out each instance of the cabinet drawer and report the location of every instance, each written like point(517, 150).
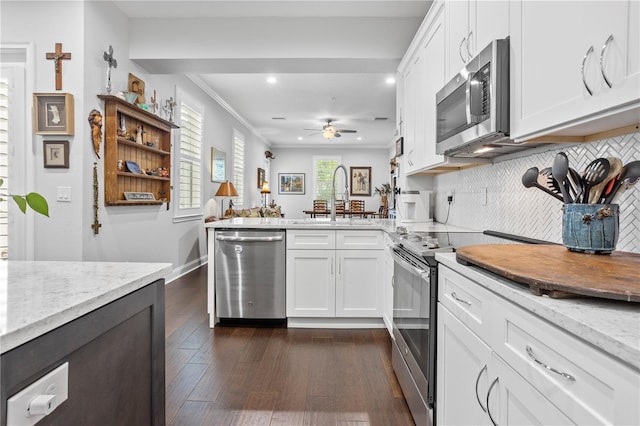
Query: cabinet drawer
point(311, 239)
point(469, 302)
point(590, 386)
point(359, 240)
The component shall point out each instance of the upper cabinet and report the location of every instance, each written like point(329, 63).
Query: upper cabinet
point(574, 63)
point(471, 25)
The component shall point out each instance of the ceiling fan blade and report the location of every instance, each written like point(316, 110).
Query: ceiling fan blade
point(347, 131)
point(314, 133)
point(337, 135)
point(313, 130)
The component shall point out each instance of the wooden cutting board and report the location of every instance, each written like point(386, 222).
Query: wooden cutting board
point(558, 272)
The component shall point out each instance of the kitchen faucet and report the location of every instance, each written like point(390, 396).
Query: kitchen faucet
point(333, 190)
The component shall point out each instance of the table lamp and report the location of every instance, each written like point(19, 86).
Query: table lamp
point(265, 190)
point(226, 189)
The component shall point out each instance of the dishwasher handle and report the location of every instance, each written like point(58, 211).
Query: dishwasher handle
point(249, 239)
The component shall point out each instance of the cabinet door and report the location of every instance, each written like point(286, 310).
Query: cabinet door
point(310, 283)
point(463, 373)
point(359, 283)
point(547, 62)
point(387, 289)
point(410, 97)
point(513, 401)
point(458, 31)
point(489, 21)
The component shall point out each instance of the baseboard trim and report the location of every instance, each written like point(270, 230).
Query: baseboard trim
point(185, 269)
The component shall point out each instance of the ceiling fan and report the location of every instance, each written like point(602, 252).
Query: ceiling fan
point(329, 130)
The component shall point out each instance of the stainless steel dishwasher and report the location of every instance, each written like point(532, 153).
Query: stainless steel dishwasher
point(250, 274)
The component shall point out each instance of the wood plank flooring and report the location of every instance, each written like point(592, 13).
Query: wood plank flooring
point(273, 376)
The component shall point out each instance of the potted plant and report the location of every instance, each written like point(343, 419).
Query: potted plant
point(383, 192)
point(34, 200)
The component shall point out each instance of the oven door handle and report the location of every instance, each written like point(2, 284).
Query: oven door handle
point(409, 267)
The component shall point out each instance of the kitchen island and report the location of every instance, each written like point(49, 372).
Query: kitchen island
point(105, 319)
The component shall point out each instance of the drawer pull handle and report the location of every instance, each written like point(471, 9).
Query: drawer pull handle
point(602, 52)
point(488, 395)
point(553, 370)
point(456, 298)
point(477, 382)
point(584, 81)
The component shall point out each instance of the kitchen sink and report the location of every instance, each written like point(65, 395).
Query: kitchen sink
point(324, 221)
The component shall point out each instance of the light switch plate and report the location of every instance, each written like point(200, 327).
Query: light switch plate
point(54, 383)
point(64, 194)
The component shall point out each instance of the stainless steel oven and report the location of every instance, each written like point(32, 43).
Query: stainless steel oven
point(414, 308)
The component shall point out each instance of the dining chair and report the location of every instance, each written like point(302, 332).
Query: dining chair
point(340, 207)
point(319, 208)
point(356, 208)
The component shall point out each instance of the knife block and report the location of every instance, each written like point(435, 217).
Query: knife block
point(590, 228)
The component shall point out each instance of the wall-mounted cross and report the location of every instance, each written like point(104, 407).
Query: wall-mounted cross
point(58, 56)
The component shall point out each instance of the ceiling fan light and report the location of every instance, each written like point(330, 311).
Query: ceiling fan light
point(327, 134)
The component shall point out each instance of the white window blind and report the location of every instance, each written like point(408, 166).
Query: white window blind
point(238, 166)
point(323, 174)
point(190, 153)
point(4, 167)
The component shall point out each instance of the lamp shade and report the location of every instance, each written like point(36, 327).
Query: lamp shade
point(226, 189)
point(265, 188)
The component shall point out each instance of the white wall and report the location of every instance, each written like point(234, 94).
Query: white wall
point(138, 233)
point(300, 161)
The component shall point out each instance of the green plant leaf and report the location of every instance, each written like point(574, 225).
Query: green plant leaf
point(21, 202)
point(38, 203)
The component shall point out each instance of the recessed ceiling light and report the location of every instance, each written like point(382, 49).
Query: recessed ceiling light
point(390, 80)
point(272, 80)
point(359, 138)
point(299, 138)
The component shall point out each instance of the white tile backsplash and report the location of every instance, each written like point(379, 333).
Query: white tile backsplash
point(512, 208)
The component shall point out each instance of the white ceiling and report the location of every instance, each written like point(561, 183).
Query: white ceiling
point(330, 59)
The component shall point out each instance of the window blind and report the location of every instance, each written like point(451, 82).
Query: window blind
point(4, 167)
point(238, 167)
point(190, 173)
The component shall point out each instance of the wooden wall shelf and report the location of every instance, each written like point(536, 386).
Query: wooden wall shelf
point(122, 117)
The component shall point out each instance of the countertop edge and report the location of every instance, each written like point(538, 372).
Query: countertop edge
point(625, 348)
point(19, 336)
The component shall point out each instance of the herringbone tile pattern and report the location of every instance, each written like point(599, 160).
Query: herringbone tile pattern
point(530, 212)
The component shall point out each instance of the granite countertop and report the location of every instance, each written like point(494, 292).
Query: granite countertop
point(37, 297)
point(613, 326)
point(387, 225)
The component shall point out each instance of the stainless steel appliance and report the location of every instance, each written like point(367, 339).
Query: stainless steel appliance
point(250, 274)
point(415, 298)
point(472, 109)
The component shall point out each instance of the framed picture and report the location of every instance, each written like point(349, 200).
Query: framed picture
point(399, 147)
point(136, 85)
point(53, 114)
point(291, 183)
point(360, 182)
point(218, 165)
point(260, 177)
point(56, 154)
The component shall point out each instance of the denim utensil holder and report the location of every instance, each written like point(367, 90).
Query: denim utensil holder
point(590, 228)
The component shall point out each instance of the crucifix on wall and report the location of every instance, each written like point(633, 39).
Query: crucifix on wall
point(58, 56)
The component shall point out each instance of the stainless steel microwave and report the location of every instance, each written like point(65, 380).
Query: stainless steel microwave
point(472, 109)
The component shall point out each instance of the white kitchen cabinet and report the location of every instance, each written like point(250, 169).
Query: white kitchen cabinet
point(337, 274)
point(387, 289)
point(311, 284)
point(471, 26)
point(536, 373)
point(562, 51)
point(358, 283)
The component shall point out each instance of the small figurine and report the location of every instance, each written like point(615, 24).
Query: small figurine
point(139, 133)
point(95, 121)
point(168, 107)
point(120, 165)
point(154, 103)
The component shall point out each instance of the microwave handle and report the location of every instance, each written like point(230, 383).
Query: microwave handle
point(471, 100)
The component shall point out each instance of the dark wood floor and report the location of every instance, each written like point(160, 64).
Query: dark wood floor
point(273, 376)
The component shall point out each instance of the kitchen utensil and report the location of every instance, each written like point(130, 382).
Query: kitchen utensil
point(545, 178)
point(630, 173)
point(530, 179)
point(596, 193)
point(595, 173)
point(575, 183)
point(559, 169)
point(625, 186)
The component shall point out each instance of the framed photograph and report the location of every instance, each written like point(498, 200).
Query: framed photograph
point(399, 147)
point(136, 85)
point(260, 177)
point(56, 154)
point(218, 165)
point(291, 183)
point(53, 114)
point(360, 182)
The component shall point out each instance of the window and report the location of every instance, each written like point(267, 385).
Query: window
point(238, 166)
point(323, 174)
point(190, 156)
point(4, 167)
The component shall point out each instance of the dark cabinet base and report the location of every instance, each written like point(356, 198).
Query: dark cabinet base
point(116, 363)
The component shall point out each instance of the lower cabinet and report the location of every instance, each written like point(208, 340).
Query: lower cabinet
point(513, 367)
point(387, 286)
point(334, 282)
